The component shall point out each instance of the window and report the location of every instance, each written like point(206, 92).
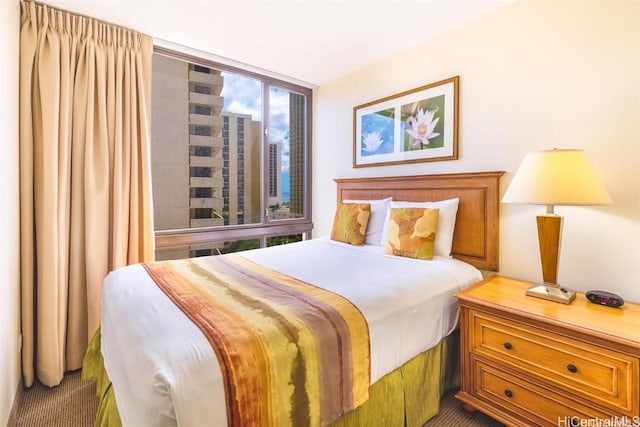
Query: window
point(230, 158)
point(204, 110)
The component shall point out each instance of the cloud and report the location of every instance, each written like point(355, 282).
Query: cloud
point(279, 122)
point(243, 95)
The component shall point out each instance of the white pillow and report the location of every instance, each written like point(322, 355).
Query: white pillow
point(377, 223)
point(446, 222)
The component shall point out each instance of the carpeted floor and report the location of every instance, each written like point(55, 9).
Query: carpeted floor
point(452, 415)
point(73, 404)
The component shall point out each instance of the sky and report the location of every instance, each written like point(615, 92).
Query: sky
point(243, 95)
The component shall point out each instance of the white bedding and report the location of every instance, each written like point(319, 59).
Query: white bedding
point(164, 371)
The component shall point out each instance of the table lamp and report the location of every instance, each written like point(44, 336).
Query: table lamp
point(554, 177)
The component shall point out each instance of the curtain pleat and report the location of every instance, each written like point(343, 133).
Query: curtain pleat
point(85, 179)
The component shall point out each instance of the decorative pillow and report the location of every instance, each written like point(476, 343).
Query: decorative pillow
point(375, 227)
point(412, 232)
point(446, 222)
point(350, 223)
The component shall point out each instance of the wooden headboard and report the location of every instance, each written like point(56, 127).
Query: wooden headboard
point(475, 239)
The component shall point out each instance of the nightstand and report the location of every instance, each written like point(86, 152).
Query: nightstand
point(527, 361)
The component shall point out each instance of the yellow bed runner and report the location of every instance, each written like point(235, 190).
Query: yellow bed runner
point(290, 353)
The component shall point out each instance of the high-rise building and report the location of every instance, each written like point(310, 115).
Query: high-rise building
point(296, 154)
point(275, 177)
point(206, 185)
point(240, 169)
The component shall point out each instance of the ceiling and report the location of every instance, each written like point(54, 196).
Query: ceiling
point(309, 41)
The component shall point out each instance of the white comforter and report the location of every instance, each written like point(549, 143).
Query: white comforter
point(164, 371)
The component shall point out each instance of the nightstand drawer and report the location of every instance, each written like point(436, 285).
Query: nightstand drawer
point(532, 404)
point(601, 375)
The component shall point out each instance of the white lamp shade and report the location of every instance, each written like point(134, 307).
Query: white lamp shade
point(556, 177)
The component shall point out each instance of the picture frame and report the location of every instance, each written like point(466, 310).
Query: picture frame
point(418, 125)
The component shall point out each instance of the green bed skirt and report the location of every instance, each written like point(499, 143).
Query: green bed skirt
point(409, 396)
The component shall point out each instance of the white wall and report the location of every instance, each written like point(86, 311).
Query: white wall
point(533, 75)
point(9, 213)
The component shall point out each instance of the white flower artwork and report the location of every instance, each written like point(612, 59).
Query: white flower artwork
point(372, 141)
point(423, 127)
point(417, 125)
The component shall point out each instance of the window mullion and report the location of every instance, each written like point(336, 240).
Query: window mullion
point(265, 153)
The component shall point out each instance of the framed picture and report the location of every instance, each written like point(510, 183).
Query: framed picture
point(419, 125)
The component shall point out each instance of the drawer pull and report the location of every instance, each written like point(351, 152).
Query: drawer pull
point(508, 393)
point(508, 346)
point(572, 368)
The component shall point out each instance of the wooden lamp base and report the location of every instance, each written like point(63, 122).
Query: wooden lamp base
point(549, 230)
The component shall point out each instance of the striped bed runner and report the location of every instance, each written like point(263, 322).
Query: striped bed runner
point(290, 353)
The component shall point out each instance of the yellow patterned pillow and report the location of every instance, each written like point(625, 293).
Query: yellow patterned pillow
point(350, 223)
point(412, 232)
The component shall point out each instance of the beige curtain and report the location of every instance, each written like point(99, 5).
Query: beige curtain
point(84, 177)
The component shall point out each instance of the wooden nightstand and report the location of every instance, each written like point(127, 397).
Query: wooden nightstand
point(527, 361)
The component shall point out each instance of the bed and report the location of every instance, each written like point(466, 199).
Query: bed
point(154, 366)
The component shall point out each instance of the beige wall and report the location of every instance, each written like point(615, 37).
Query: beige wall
point(9, 213)
point(533, 75)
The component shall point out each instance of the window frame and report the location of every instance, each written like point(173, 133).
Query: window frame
point(166, 239)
